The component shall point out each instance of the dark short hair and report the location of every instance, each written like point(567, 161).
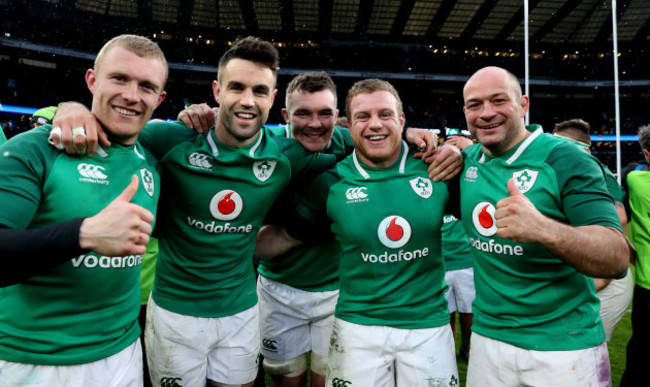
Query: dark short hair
point(310, 82)
point(576, 129)
point(255, 50)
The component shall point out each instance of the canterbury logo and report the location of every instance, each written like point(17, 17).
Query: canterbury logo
point(356, 193)
point(200, 160)
point(269, 344)
point(91, 171)
point(472, 173)
point(340, 383)
point(170, 382)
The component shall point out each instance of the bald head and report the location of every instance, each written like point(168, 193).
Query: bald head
point(496, 74)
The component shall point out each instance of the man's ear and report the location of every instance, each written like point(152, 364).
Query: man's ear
point(90, 80)
point(161, 97)
point(285, 115)
point(216, 91)
point(524, 102)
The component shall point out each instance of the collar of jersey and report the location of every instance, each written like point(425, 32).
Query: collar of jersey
point(101, 152)
point(364, 169)
point(213, 141)
point(516, 151)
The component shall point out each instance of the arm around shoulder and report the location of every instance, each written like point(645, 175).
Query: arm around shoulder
point(273, 240)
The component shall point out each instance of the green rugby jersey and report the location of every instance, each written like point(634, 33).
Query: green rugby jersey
point(85, 309)
point(310, 267)
point(636, 184)
point(148, 270)
point(525, 296)
point(613, 187)
point(388, 223)
point(455, 247)
point(2, 136)
point(214, 200)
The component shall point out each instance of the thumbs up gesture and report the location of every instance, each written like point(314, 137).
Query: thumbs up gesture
point(517, 218)
point(119, 229)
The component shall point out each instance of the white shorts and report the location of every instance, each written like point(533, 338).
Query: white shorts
point(190, 350)
point(615, 300)
point(293, 321)
point(461, 292)
point(122, 369)
point(495, 363)
point(369, 355)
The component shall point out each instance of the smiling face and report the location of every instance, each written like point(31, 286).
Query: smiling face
point(126, 89)
point(376, 127)
point(245, 93)
point(312, 117)
point(495, 110)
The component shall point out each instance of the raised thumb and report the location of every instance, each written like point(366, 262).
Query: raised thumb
point(512, 188)
point(130, 190)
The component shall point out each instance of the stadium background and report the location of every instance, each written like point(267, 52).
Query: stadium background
point(426, 48)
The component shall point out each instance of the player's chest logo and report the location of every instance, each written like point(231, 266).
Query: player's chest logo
point(199, 160)
point(264, 169)
point(525, 179)
point(148, 182)
point(91, 173)
point(483, 219)
point(394, 231)
point(226, 205)
point(356, 194)
point(471, 174)
point(422, 187)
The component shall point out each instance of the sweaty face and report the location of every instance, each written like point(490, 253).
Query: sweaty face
point(312, 117)
point(126, 89)
point(376, 128)
point(245, 94)
point(493, 111)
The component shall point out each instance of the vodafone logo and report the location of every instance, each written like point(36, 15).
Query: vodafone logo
point(226, 205)
point(483, 219)
point(394, 231)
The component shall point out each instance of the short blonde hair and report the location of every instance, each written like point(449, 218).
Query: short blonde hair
point(369, 86)
point(139, 45)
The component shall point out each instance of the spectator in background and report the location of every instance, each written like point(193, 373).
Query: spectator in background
point(636, 188)
point(42, 116)
point(615, 295)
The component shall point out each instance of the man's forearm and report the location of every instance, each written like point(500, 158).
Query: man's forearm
point(28, 252)
point(596, 251)
point(273, 240)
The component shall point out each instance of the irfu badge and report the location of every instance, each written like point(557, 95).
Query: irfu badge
point(422, 186)
point(524, 180)
point(147, 181)
point(263, 169)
